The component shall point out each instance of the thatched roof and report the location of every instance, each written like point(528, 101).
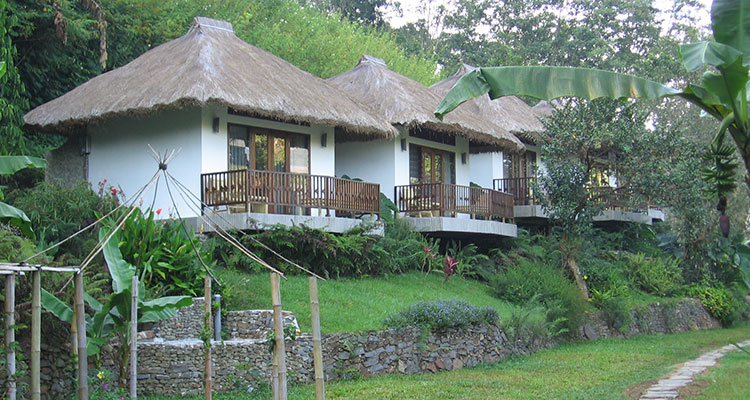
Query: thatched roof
point(209, 65)
point(509, 112)
point(403, 101)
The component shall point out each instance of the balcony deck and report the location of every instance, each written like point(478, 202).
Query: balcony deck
point(527, 208)
point(252, 199)
point(446, 208)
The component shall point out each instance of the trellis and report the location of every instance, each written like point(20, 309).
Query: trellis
point(78, 326)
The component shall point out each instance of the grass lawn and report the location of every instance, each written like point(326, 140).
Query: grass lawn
point(350, 305)
point(601, 369)
point(728, 380)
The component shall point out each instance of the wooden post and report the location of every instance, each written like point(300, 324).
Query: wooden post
point(207, 322)
point(10, 333)
point(36, 334)
point(320, 390)
point(83, 360)
point(134, 339)
point(74, 338)
point(278, 327)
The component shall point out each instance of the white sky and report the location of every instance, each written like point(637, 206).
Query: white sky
point(412, 12)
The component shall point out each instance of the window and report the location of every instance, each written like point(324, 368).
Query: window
point(428, 165)
point(521, 165)
point(268, 150)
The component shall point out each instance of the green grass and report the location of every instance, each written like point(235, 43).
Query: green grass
point(350, 305)
point(729, 379)
point(601, 369)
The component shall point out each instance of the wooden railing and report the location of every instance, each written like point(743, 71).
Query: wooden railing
point(287, 193)
point(519, 188)
point(440, 199)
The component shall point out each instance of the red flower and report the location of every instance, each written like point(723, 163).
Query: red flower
point(450, 262)
point(158, 211)
point(114, 191)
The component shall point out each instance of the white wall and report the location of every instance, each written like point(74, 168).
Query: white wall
point(120, 154)
point(373, 161)
point(485, 167)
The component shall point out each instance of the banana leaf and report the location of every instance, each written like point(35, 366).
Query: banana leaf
point(9, 165)
point(121, 272)
point(14, 216)
point(547, 83)
point(56, 307)
point(730, 21)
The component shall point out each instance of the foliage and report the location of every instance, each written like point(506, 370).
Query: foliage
point(468, 259)
point(440, 315)
point(15, 248)
point(617, 313)
point(532, 323)
point(12, 101)
point(529, 280)
point(104, 386)
point(717, 300)
point(8, 166)
point(660, 276)
point(113, 316)
point(353, 253)
point(163, 253)
point(57, 212)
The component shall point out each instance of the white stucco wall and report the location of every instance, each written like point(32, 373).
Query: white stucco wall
point(120, 154)
point(485, 167)
point(373, 161)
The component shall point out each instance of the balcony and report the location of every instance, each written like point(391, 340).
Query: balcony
point(269, 197)
point(439, 207)
point(527, 207)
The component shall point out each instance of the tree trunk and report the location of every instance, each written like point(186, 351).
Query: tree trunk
point(580, 282)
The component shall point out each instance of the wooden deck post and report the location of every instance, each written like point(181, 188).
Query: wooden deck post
point(207, 315)
point(320, 390)
point(83, 364)
point(134, 339)
point(10, 333)
point(36, 334)
point(278, 325)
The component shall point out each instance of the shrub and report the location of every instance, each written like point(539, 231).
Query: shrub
point(616, 312)
point(163, 252)
point(661, 276)
point(439, 315)
point(531, 322)
point(57, 212)
point(721, 303)
point(534, 280)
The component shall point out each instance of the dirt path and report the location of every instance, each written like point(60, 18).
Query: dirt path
point(669, 387)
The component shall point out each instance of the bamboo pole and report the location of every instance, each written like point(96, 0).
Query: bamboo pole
point(74, 338)
point(278, 325)
point(83, 360)
point(36, 334)
point(10, 334)
point(134, 339)
point(207, 322)
point(320, 389)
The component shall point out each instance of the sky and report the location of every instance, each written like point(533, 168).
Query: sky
point(412, 13)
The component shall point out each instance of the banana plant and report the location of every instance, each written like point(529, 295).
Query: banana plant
point(113, 316)
point(9, 165)
point(722, 95)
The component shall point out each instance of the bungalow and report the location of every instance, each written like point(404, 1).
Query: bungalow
point(256, 134)
point(514, 172)
point(427, 170)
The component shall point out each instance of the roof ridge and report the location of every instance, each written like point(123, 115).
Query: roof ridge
point(205, 22)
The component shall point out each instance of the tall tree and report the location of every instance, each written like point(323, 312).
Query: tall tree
point(12, 101)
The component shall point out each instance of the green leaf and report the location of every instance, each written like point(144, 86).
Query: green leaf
point(92, 302)
point(728, 83)
point(165, 302)
point(14, 216)
point(9, 165)
point(121, 272)
point(2, 68)
point(743, 252)
point(696, 55)
point(161, 315)
point(730, 21)
point(56, 307)
point(547, 83)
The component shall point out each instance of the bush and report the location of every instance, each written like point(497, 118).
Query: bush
point(163, 253)
point(57, 212)
point(721, 303)
point(533, 280)
point(656, 275)
point(531, 323)
point(616, 312)
point(440, 315)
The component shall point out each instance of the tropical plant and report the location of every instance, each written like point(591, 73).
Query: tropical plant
point(9, 165)
point(723, 94)
point(113, 316)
